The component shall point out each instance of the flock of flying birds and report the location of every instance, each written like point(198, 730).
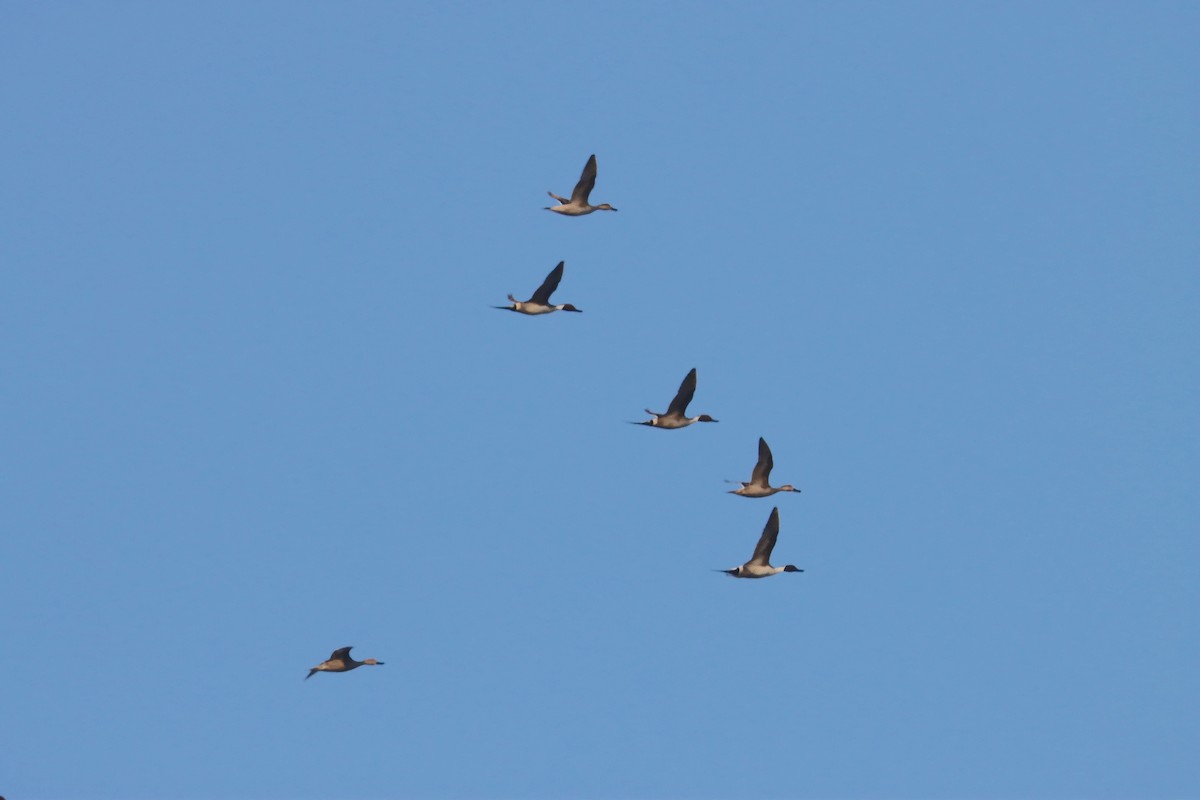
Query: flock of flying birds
point(759, 565)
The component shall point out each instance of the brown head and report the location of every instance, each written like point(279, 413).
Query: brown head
point(705, 418)
point(603, 207)
point(569, 307)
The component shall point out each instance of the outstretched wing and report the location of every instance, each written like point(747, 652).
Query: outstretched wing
point(684, 395)
point(762, 470)
point(341, 653)
point(766, 542)
point(542, 295)
point(586, 181)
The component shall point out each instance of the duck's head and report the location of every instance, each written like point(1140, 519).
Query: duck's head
point(705, 418)
point(604, 207)
point(791, 568)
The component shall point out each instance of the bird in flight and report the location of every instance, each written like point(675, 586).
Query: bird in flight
point(676, 416)
point(759, 565)
point(540, 302)
point(759, 484)
point(578, 205)
point(340, 661)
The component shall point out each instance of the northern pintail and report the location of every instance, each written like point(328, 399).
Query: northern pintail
point(676, 416)
point(540, 302)
point(578, 205)
point(759, 565)
point(759, 485)
point(340, 661)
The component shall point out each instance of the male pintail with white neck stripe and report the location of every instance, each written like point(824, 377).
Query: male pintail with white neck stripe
point(759, 565)
point(540, 302)
point(676, 416)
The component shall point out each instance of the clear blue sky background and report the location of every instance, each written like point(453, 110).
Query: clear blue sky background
point(943, 256)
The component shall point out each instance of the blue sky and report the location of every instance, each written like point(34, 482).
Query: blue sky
point(943, 257)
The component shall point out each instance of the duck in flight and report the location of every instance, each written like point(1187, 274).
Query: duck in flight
point(759, 565)
point(340, 661)
point(759, 484)
point(676, 416)
point(578, 205)
point(540, 302)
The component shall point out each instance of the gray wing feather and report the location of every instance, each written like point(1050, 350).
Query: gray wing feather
point(586, 181)
point(766, 543)
point(684, 396)
point(762, 470)
point(542, 295)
